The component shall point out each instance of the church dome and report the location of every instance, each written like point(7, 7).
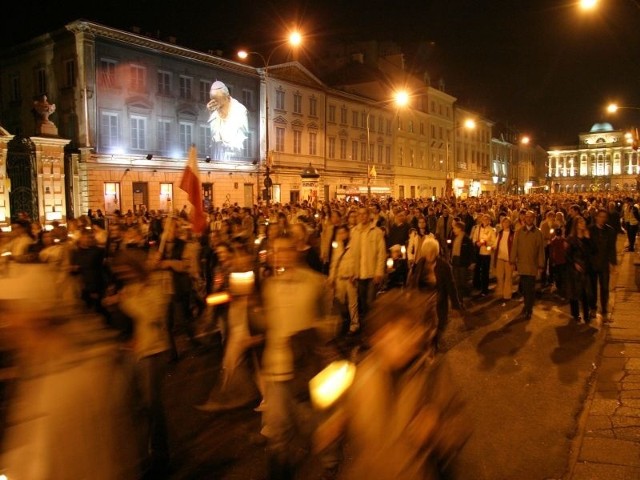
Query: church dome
point(602, 127)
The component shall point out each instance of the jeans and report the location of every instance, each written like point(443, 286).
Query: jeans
point(600, 280)
point(366, 296)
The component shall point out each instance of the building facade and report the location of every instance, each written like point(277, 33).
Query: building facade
point(603, 160)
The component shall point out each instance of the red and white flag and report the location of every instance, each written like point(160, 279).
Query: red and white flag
point(190, 183)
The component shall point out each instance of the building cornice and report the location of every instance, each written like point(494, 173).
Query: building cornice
point(128, 38)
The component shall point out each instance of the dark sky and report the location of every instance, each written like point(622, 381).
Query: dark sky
point(543, 66)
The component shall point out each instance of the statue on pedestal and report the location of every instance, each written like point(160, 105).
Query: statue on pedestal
point(41, 111)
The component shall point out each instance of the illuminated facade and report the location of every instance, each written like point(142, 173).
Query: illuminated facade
point(472, 174)
point(603, 160)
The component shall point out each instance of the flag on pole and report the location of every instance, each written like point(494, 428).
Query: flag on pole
point(190, 183)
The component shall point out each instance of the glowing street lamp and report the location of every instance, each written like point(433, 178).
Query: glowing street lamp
point(525, 140)
point(401, 98)
point(470, 124)
point(588, 4)
point(294, 40)
point(612, 108)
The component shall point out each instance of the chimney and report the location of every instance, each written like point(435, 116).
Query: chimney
point(357, 57)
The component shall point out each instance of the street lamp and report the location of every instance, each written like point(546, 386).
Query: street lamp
point(468, 124)
point(525, 140)
point(294, 40)
point(401, 99)
point(614, 107)
point(588, 4)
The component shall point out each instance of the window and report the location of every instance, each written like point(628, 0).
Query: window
point(41, 81)
point(371, 152)
point(400, 156)
point(280, 139)
point(440, 136)
point(186, 84)
point(107, 74)
point(15, 92)
point(138, 133)
point(280, 102)
point(332, 147)
point(204, 135)
point(411, 158)
point(164, 83)
point(363, 152)
point(164, 134)
point(247, 148)
point(363, 120)
point(399, 124)
point(387, 154)
point(410, 126)
point(401, 192)
point(433, 132)
point(354, 150)
point(380, 124)
point(313, 107)
point(111, 197)
point(371, 122)
point(354, 118)
point(433, 106)
point(297, 103)
point(388, 127)
point(166, 196)
point(70, 73)
point(312, 142)
point(343, 149)
point(203, 94)
point(412, 190)
point(247, 98)
point(343, 115)
point(138, 80)
point(185, 135)
point(297, 142)
point(109, 130)
point(332, 113)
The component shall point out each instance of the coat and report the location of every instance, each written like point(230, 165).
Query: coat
point(370, 251)
point(579, 253)
point(604, 242)
point(527, 251)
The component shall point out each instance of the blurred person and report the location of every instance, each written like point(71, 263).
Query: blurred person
point(368, 243)
point(527, 256)
point(399, 270)
point(300, 234)
point(463, 259)
point(87, 261)
point(416, 236)
point(603, 237)
point(398, 233)
point(403, 415)
point(145, 300)
point(579, 253)
point(547, 228)
point(613, 218)
point(558, 261)
point(69, 414)
point(443, 230)
point(503, 267)
point(294, 302)
point(343, 278)
point(434, 274)
point(21, 242)
point(327, 236)
point(631, 217)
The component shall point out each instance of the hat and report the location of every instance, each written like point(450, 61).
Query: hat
point(219, 86)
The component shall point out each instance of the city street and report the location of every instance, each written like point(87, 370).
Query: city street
point(525, 383)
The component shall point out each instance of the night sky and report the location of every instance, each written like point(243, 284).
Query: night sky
point(545, 67)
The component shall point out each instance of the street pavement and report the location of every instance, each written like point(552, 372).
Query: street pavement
point(526, 384)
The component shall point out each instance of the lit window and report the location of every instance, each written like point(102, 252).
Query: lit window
point(138, 78)
point(109, 135)
point(279, 139)
point(138, 133)
point(164, 83)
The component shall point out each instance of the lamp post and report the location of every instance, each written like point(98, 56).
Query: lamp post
point(401, 99)
point(524, 141)
point(294, 40)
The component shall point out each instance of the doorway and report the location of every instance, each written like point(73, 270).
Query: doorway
point(140, 196)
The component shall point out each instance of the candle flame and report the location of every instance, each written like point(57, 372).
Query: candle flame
point(331, 383)
point(218, 298)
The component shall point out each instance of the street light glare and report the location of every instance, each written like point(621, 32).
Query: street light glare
point(470, 123)
point(525, 140)
point(588, 4)
point(612, 108)
point(401, 98)
point(243, 54)
point(295, 38)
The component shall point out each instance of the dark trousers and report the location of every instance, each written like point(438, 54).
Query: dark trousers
point(575, 306)
point(559, 275)
point(461, 278)
point(546, 271)
point(366, 296)
point(483, 266)
point(528, 286)
point(632, 231)
point(600, 280)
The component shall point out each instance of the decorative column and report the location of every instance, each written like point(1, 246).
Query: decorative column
point(5, 186)
point(52, 204)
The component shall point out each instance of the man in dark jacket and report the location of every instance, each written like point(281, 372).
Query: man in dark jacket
point(604, 238)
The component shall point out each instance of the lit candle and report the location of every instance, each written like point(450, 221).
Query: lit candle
point(241, 283)
point(331, 383)
point(389, 262)
point(403, 250)
point(334, 244)
point(448, 240)
point(551, 230)
point(218, 298)
point(489, 248)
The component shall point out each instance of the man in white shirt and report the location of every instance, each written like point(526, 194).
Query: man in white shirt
point(229, 122)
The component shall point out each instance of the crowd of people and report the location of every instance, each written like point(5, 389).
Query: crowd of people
point(371, 281)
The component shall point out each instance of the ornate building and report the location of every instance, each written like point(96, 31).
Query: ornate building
point(603, 160)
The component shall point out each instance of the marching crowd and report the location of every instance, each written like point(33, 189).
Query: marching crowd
point(291, 288)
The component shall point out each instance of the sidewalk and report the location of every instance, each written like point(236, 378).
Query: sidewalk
point(608, 443)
